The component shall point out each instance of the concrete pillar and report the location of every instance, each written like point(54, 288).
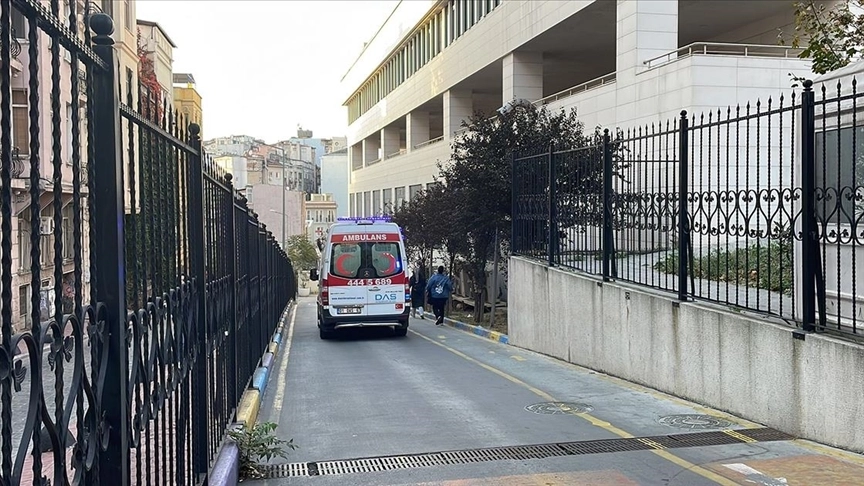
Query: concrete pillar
point(417, 128)
point(645, 29)
point(458, 106)
point(389, 141)
point(371, 146)
point(523, 76)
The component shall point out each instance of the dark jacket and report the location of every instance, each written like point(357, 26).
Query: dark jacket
point(439, 286)
point(418, 290)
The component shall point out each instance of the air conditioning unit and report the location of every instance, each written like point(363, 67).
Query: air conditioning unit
point(46, 225)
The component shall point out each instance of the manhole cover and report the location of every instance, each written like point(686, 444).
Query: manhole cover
point(556, 408)
point(694, 422)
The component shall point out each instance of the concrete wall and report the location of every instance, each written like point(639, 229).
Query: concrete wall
point(749, 367)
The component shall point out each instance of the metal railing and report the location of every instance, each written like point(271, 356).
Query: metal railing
point(579, 88)
point(711, 207)
point(429, 142)
point(725, 49)
point(173, 289)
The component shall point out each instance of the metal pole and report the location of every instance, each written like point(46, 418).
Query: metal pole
point(607, 206)
point(683, 226)
point(110, 276)
point(553, 226)
point(809, 245)
point(494, 295)
point(284, 190)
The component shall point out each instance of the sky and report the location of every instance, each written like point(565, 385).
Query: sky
point(264, 67)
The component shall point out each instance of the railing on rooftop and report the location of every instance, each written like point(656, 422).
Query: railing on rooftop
point(725, 49)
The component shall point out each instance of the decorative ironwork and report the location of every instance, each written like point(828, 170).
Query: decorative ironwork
point(133, 370)
point(712, 206)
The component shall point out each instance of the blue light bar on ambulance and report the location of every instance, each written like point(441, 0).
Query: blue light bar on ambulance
point(385, 219)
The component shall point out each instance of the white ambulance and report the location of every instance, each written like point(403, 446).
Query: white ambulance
point(363, 277)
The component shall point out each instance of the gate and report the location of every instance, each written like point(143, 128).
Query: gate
point(146, 287)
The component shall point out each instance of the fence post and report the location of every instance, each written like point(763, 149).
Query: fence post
point(232, 254)
point(809, 244)
point(199, 274)
point(607, 205)
point(683, 223)
point(514, 237)
point(552, 216)
point(110, 275)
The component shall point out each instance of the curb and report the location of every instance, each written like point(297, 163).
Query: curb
point(476, 330)
point(226, 468)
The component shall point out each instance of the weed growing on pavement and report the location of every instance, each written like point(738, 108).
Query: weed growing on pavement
point(259, 445)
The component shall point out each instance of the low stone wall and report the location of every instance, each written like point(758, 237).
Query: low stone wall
point(809, 385)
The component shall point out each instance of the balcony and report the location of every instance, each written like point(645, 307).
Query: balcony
point(724, 49)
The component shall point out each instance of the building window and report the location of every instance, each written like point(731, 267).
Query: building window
point(20, 125)
point(108, 7)
point(19, 24)
point(366, 201)
point(386, 200)
point(68, 134)
point(376, 203)
point(129, 14)
point(23, 244)
point(400, 197)
point(413, 191)
point(24, 304)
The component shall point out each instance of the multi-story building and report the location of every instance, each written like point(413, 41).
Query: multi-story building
point(125, 43)
point(159, 49)
point(619, 64)
point(320, 214)
point(335, 179)
point(187, 100)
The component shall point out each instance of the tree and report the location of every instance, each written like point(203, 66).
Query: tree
point(833, 35)
point(301, 252)
point(478, 177)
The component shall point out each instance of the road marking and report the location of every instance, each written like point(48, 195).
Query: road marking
point(739, 436)
point(518, 358)
point(683, 463)
point(442, 337)
point(283, 367)
point(754, 476)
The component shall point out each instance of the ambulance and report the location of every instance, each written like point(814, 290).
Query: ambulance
point(363, 277)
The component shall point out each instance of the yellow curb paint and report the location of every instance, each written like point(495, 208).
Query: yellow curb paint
point(518, 358)
point(273, 348)
point(683, 463)
point(247, 411)
point(739, 436)
point(495, 336)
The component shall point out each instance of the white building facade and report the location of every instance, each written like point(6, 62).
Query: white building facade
point(335, 179)
point(619, 64)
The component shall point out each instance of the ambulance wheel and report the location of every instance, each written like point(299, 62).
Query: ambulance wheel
point(324, 334)
point(400, 331)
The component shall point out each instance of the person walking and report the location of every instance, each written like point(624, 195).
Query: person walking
point(438, 289)
point(417, 284)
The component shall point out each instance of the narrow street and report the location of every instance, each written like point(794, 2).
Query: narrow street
point(370, 394)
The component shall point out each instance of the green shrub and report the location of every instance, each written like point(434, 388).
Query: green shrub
point(258, 444)
point(768, 267)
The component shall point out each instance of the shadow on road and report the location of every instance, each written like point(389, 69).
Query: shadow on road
point(363, 334)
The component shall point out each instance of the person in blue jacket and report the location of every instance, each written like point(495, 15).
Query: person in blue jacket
point(438, 289)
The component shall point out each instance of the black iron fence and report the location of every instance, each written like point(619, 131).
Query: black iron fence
point(146, 288)
point(711, 206)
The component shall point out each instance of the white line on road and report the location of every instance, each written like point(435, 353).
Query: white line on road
point(280, 385)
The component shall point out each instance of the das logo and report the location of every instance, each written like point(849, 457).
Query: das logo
point(385, 297)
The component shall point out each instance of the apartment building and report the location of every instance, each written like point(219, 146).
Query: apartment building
point(187, 100)
point(320, 214)
point(619, 64)
point(159, 49)
point(21, 224)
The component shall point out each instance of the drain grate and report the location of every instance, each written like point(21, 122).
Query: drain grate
point(695, 422)
point(559, 408)
point(536, 451)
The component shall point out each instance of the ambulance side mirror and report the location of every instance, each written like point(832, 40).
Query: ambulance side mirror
point(313, 274)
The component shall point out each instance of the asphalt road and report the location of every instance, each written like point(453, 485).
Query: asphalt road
point(370, 393)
